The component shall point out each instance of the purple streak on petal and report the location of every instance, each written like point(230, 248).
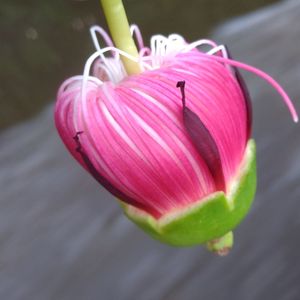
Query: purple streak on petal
point(246, 94)
point(203, 141)
point(106, 184)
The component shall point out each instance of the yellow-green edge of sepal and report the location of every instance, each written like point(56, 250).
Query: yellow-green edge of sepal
point(208, 219)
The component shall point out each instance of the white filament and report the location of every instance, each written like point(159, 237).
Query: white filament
point(148, 59)
point(161, 48)
point(135, 31)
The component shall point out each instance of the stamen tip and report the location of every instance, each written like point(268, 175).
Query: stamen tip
point(180, 84)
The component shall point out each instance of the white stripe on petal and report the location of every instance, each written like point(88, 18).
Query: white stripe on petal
point(168, 112)
point(155, 136)
point(183, 148)
point(118, 129)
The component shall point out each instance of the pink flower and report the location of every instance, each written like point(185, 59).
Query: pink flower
point(153, 146)
point(138, 137)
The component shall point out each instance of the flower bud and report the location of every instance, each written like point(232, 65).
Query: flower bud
point(171, 143)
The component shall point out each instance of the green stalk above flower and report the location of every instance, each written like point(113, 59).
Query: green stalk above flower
point(119, 28)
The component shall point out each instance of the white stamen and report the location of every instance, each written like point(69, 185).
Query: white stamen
point(217, 49)
point(149, 58)
point(161, 48)
point(97, 29)
point(135, 31)
point(199, 43)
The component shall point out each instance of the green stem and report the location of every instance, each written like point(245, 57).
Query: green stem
point(222, 245)
point(119, 28)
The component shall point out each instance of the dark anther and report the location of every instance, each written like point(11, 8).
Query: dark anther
point(181, 85)
point(203, 141)
point(246, 94)
point(77, 141)
point(106, 183)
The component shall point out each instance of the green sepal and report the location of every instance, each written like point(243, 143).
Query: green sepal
point(209, 218)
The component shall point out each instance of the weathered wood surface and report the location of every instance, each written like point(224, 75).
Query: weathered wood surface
point(63, 237)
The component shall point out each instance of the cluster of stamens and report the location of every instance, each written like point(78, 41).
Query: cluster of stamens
point(106, 64)
point(112, 69)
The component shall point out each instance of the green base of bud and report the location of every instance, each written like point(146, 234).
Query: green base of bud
point(208, 219)
point(222, 245)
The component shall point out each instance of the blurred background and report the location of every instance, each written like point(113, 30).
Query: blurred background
point(63, 237)
point(44, 42)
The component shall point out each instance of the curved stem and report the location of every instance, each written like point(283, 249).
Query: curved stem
point(119, 28)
